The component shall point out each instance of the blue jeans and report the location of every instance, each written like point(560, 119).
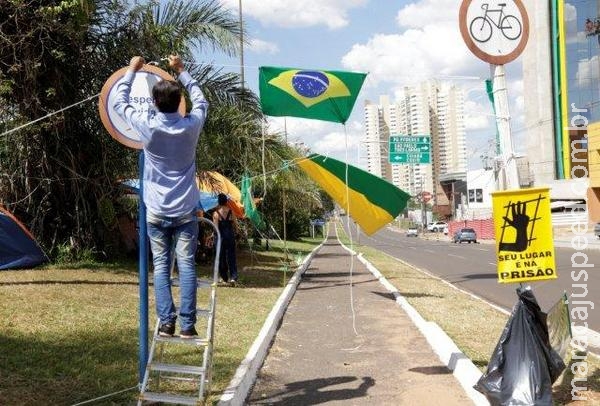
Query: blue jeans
point(164, 234)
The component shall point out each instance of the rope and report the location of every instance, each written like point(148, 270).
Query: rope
point(105, 396)
point(349, 232)
point(49, 115)
point(264, 172)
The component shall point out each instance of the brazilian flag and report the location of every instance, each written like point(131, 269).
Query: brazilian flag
point(370, 200)
point(316, 94)
point(249, 206)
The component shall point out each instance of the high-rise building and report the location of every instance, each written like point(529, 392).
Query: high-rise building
point(432, 109)
point(562, 110)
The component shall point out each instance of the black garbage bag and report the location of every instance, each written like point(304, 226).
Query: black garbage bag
point(523, 366)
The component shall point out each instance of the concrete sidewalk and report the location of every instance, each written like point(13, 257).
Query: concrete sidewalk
point(329, 352)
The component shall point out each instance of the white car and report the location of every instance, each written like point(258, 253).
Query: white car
point(437, 226)
point(412, 232)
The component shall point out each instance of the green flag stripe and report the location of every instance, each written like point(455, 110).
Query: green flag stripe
point(377, 190)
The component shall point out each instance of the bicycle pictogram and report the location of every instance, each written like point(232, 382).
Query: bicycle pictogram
point(482, 27)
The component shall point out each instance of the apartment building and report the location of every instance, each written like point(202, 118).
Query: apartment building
point(432, 109)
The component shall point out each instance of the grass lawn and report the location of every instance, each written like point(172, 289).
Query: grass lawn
point(68, 335)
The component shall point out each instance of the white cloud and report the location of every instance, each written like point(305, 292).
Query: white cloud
point(437, 11)
point(587, 71)
point(570, 12)
point(293, 14)
point(578, 37)
point(263, 47)
point(428, 47)
point(323, 137)
point(478, 116)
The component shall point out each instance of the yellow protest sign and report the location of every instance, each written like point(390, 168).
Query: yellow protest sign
point(524, 242)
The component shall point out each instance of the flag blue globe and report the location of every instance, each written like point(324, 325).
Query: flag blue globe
point(310, 83)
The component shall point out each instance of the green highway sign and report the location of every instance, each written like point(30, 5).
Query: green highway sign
point(413, 149)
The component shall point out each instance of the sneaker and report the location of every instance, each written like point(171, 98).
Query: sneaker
point(233, 282)
point(189, 333)
point(166, 330)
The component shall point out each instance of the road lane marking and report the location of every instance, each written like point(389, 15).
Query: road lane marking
point(433, 252)
point(492, 263)
point(481, 249)
point(413, 248)
point(457, 256)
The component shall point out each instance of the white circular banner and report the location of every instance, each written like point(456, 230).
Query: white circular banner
point(140, 97)
point(495, 31)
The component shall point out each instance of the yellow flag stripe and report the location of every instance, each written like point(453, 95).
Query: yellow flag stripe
point(368, 216)
point(336, 88)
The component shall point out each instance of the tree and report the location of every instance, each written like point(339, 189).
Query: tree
point(59, 175)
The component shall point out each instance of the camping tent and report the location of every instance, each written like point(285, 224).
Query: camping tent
point(213, 183)
point(210, 183)
point(18, 248)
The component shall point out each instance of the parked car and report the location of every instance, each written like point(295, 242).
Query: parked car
point(597, 230)
point(412, 232)
point(437, 226)
point(445, 230)
point(465, 234)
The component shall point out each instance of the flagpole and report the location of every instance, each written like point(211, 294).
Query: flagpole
point(283, 200)
point(241, 45)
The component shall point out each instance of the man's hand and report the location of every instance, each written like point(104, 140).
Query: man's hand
point(136, 63)
point(176, 63)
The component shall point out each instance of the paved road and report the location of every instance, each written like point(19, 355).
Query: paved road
point(472, 267)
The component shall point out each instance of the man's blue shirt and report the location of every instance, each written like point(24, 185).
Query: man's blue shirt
point(169, 141)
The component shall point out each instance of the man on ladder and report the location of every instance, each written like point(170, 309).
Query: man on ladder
point(170, 191)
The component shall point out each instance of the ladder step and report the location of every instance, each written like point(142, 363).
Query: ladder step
point(168, 398)
point(175, 368)
point(201, 283)
point(176, 339)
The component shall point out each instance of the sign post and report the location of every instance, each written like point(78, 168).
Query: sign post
point(497, 32)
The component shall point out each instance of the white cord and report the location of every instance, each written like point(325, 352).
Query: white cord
point(349, 233)
point(49, 115)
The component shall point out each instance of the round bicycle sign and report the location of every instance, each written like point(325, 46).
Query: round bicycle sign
point(140, 97)
point(495, 31)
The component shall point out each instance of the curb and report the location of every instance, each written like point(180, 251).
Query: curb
point(239, 387)
point(463, 369)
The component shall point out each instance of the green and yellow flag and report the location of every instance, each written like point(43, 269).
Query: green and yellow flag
point(316, 94)
point(370, 200)
point(249, 206)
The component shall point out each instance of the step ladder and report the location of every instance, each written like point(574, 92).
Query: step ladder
point(184, 365)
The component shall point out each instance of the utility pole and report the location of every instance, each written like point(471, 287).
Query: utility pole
point(283, 201)
point(509, 177)
point(241, 45)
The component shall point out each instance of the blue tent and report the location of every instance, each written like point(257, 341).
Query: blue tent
point(18, 248)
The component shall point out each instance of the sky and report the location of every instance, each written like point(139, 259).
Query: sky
point(398, 43)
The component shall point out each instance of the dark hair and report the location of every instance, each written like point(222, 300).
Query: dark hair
point(167, 96)
point(222, 199)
